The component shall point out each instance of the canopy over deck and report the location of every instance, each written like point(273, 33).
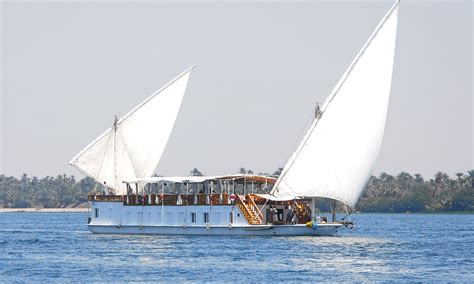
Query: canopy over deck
point(278, 198)
point(198, 179)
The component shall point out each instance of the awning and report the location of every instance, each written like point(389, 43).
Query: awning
point(199, 179)
point(277, 198)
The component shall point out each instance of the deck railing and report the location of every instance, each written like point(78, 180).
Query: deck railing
point(108, 198)
point(166, 199)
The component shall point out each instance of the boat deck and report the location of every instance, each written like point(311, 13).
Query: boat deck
point(255, 209)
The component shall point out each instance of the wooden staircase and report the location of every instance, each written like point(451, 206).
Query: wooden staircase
point(252, 214)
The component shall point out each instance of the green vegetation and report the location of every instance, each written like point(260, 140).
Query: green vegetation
point(407, 193)
point(49, 192)
point(385, 193)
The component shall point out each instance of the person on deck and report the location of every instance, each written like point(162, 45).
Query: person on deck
point(289, 215)
point(270, 215)
point(294, 217)
point(275, 214)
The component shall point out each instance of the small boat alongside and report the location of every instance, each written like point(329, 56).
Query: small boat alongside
point(333, 161)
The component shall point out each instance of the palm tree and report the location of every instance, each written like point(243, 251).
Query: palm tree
point(471, 177)
point(441, 177)
point(404, 179)
point(386, 177)
point(460, 179)
point(196, 172)
point(419, 178)
point(278, 172)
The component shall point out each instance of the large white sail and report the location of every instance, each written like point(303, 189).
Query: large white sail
point(133, 147)
point(339, 152)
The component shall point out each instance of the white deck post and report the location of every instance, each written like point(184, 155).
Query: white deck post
point(162, 202)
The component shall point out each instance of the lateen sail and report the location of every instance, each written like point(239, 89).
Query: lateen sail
point(339, 152)
point(133, 147)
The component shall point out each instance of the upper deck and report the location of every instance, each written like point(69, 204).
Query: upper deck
point(249, 193)
point(255, 208)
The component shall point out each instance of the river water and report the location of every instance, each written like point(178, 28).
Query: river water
point(57, 247)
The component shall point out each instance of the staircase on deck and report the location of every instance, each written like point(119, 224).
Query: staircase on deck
point(250, 210)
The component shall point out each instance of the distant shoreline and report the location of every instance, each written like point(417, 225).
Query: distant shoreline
point(44, 210)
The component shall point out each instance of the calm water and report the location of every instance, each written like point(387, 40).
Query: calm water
point(384, 247)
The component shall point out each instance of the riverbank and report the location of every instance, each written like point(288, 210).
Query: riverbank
point(43, 210)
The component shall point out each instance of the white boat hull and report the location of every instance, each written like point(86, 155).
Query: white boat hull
point(251, 230)
point(117, 218)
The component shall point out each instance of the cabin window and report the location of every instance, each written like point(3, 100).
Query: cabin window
point(231, 217)
point(96, 212)
point(206, 217)
point(193, 217)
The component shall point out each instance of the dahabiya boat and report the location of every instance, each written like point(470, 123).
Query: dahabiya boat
point(334, 161)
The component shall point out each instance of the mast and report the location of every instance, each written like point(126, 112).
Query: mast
point(115, 149)
point(333, 210)
point(162, 202)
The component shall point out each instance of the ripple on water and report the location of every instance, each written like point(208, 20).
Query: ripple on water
point(385, 247)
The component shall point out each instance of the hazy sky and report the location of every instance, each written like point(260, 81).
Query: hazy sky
point(68, 68)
